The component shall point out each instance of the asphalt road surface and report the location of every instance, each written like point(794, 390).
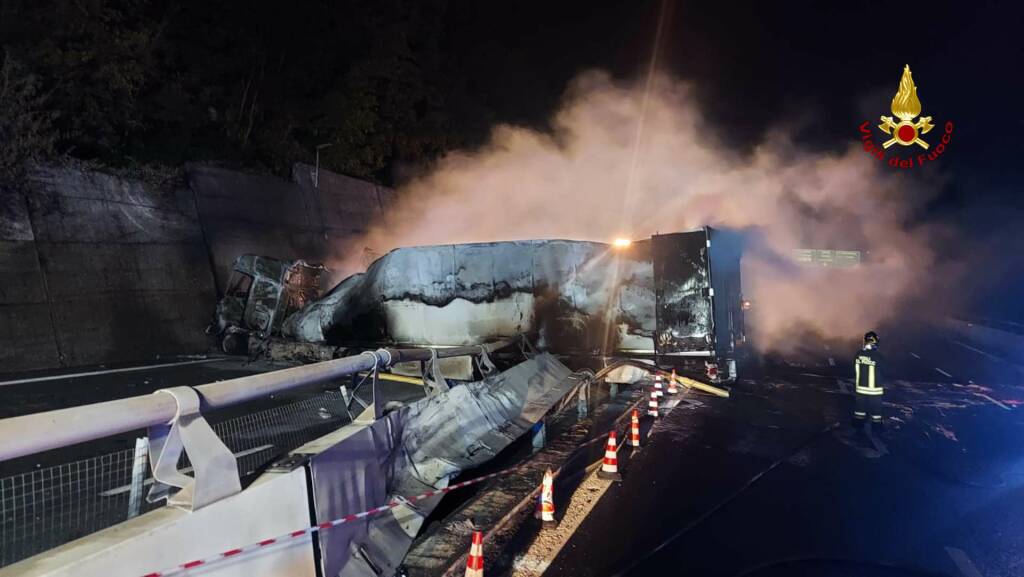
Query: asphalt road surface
point(776, 482)
point(26, 393)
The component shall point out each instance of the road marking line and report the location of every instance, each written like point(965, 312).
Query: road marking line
point(108, 371)
point(979, 351)
point(984, 396)
point(943, 372)
point(963, 562)
point(529, 564)
point(915, 356)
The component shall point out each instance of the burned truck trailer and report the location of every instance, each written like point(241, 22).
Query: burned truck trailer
point(674, 296)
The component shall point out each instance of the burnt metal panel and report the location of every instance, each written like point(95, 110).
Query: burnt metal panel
point(572, 297)
point(725, 253)
point(350, 477)
point(420, 447)
point(684, 318)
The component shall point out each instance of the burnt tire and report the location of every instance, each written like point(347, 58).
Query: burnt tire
point(392, 406)
point(235, 344)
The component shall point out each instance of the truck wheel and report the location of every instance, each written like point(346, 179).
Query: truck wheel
point(235, 344)
point(392, 406)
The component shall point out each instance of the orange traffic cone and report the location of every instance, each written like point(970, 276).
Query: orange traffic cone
point(672, 389)
point(475, 561)
point(634, 430)
point(657, 386)
point(652, 405)
point(610, 466)
point(546, 501)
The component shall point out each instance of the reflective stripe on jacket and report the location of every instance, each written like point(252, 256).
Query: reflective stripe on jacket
point(866, 370)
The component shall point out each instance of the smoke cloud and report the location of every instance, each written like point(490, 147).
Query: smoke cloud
point(600, 173)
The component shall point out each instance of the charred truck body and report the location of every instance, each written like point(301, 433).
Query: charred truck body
point(676, 297)
point(261, 293)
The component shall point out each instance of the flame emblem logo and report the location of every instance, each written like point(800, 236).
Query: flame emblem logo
point(906, 106)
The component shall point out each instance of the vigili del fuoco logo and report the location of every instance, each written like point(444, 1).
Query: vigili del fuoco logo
point(905, 131)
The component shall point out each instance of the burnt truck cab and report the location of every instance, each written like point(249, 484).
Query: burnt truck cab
point(699, 306)
point(261, 292)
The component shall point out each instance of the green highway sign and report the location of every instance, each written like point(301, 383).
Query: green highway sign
point(827, 257)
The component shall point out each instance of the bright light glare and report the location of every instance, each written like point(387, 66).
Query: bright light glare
point(622, 242)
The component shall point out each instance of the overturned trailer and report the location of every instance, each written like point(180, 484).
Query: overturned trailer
point(674, 296)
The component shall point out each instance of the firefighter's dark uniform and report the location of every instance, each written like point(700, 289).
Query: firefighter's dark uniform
point(869, 389)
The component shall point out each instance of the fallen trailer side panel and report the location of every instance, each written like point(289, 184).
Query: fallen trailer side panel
point(419, 448)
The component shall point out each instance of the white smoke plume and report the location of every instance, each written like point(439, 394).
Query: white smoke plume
point(574, 181)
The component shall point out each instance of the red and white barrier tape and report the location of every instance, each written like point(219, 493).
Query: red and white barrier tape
point(348, 518)
point(322, 526)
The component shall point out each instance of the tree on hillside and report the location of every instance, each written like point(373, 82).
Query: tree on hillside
point(26, 126)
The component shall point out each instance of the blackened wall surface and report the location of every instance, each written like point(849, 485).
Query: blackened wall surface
point(109, 270)
point(287, 220)
point(95, 268)
point(26, 333)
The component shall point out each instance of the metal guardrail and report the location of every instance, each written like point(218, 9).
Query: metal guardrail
point(35, 433)
point(44, 508)
point(47, 507)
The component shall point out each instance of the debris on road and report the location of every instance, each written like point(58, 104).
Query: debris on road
point(549, 543)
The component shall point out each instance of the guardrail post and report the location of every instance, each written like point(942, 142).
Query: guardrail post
point(583, 401)
point(538, 436)
point(140, 464)
point(214, 466)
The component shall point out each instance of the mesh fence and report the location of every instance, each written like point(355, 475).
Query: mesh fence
point(47, 507)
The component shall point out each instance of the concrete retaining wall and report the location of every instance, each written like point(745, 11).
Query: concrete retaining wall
point(100, 269)
point(282, 219)
point(26, 333)
point(111, 270)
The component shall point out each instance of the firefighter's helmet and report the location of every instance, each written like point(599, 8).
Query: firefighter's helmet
point(870, 338)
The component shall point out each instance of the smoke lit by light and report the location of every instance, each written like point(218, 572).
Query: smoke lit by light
point(567, 182)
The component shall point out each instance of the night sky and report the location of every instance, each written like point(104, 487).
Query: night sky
point(819, 69)
point(762, 64)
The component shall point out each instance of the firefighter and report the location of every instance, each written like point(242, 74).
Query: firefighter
point(868, 383)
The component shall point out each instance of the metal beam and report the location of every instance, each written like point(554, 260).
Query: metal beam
point(35, 433)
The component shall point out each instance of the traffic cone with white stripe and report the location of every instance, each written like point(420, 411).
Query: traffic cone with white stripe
point(672, 389)
point(634, 430)
point(546, 501)
point(652, 405)
point(657, 386)
point(475, 561)
point(610, 465)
